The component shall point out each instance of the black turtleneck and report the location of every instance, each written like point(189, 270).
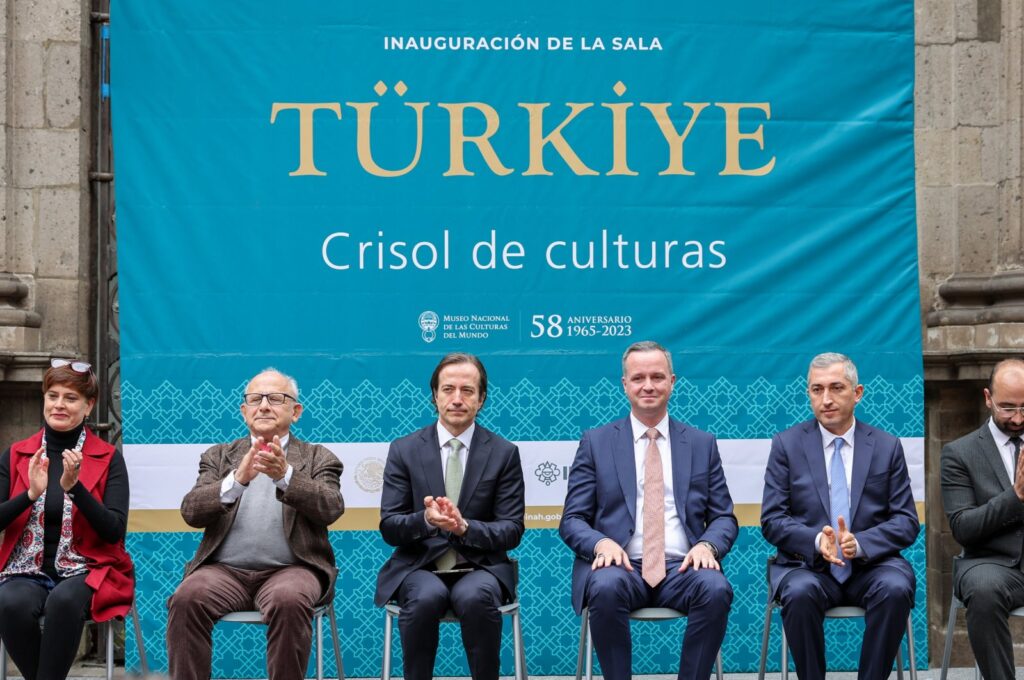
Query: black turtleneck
point(109, 519)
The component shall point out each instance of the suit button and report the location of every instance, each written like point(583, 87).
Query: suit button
point(630, 532)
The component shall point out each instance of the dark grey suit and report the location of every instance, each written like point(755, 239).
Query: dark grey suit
point(987, 519)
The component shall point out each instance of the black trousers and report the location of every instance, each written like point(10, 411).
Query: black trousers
point(474, 598)
point(45, 654)
point(990, 591)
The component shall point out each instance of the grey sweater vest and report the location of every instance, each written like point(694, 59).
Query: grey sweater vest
point(256, 539)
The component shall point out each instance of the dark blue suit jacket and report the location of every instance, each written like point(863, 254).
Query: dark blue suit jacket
point(492, 501)
point(601, 499)
point(796, 501)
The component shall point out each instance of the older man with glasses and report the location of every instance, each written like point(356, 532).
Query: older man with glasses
point(983, 495)
point(264, 503)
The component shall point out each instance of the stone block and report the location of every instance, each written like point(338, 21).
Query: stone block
point(21, 230)
point(933, 86)
point(936, 230)
point(977, 228)
point(42, 20)
point(63, 304)
point(1000, 152)
point(3, 77)
point(965, 19)
point(933, 22)
point(933, 155)
point(1004, 336)
point(60, 216)
point(41, 158)
point(1010, 230)
point(978, 69)
point(955, 338)
point(63, 90)
point(968, 155)
point(19, 339)
point(26, 84)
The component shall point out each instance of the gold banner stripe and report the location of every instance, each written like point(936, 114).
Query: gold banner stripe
point(368, 519)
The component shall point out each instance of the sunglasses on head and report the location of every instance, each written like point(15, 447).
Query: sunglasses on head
point(76, 366)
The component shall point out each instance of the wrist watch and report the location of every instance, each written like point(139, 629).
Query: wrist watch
point(711, 547)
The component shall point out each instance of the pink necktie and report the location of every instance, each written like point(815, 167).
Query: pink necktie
point(654, 513)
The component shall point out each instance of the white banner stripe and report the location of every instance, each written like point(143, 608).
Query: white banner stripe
point(161, 474)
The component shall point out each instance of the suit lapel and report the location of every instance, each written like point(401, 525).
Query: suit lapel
point(815, 455)
point(298, 458)
point(624, 456)
point(479, 454)
point(990, 452)
point(682, 463)
point(863, 452)
point(430, 460)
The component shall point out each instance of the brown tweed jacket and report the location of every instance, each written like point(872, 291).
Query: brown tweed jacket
point(312, 502)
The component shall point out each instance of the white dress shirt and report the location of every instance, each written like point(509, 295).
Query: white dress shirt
point(444, 437)
point(1005, 448)
point(846, 453)
point(676, 543)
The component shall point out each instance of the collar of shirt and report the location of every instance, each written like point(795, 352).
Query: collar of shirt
point(1002, 439)
point(640, 430)
point(444, 436)
point(284, 442)
point(828, 439)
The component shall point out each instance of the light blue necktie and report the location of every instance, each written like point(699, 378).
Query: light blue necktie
point(839, 497)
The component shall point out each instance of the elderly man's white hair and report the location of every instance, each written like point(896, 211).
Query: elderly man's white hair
point(292, 383)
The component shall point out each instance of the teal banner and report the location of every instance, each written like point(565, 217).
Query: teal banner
point(347, 191)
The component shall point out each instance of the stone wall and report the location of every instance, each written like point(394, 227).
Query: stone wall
point(968, 103)
point(45, 243)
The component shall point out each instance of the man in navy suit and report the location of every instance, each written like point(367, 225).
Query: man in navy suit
point(649, 516)
point(838, 506)
point(453, 503)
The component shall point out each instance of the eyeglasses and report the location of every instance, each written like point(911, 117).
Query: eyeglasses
point(273, 398)
point(1010, 411)
point(76, 366)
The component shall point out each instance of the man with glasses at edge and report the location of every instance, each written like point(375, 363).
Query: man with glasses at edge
point(264, 503)
point(983, 495)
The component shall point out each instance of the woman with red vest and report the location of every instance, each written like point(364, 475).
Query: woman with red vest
point(63, 511)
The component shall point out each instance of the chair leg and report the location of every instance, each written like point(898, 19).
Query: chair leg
point(590, 651)
point(785, 655)
point(319, 625)
point(718, 665)
point(899, 661)
point(143, 663)
point(764, 641)
point(385, 671)
point(947, 649)
point(584, 617)
point(109, 625)
point(517, 647)
point(910, 649)
point(338, 662)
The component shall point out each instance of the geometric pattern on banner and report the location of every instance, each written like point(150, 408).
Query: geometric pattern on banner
point(550, 629)
point(524, 411)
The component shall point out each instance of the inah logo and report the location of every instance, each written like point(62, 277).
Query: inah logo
point(547, 473)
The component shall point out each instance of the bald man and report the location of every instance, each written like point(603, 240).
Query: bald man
point(983, 495)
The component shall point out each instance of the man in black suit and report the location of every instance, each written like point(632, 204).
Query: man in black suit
point(983, 495)
point(453, 503)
